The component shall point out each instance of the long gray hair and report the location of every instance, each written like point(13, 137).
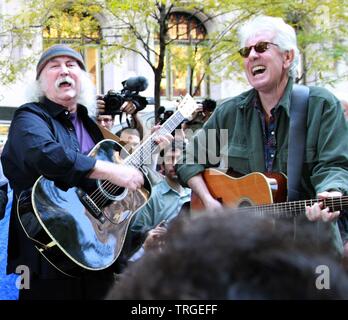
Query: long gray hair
point(285, 36)
point(86, 97)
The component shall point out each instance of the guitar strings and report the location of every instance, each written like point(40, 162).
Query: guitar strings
point(137, 158)
point(290, 209)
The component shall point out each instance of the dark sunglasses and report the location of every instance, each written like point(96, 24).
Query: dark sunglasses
point(259, 47)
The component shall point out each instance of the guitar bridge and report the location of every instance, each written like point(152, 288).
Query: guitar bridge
point(89, 204)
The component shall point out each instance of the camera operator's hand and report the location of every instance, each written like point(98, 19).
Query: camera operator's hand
point(128, 107)
point(100, 104)
point(197, 112)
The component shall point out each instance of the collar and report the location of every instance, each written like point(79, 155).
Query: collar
point(284, 102)
point(56, 110)
point(165, 187)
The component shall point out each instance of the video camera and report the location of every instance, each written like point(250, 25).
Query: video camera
point(130, 92)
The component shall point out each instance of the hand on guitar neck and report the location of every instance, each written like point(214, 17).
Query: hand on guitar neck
point(258, 192)
point(317, 212)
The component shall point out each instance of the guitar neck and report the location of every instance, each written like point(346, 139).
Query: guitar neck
point(143, 153)
point(295, 208)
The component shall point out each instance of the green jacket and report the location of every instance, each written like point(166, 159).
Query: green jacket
point(326, 151)
point(326, 154)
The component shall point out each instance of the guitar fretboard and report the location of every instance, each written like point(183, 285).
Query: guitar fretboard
point(144, 152)
point(295, 208)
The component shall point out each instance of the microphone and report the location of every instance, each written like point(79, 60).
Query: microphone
point(136, 84)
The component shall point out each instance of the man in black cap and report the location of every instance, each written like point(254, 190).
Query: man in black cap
point(52, 138)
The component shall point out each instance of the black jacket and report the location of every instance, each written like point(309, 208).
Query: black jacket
point(42, 141)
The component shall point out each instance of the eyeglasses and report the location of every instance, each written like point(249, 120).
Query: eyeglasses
point(104, 120)
point(259, 47)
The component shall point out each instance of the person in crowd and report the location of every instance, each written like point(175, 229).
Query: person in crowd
point(216, 257)
point(130, 137)
point(106, 121)
point(258, 125)
point(200, 117)
point(128, 107)
point(168, 200)
point(52, 136)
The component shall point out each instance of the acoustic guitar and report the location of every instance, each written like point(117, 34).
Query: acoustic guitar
point(85, 229)
point(259, 193)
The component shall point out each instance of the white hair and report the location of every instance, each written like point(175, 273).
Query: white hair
point(285, 36)
point(86, 97)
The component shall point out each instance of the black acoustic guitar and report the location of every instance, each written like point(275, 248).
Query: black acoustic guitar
point(78, 230)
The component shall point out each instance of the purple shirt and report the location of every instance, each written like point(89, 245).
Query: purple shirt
point(83, 137)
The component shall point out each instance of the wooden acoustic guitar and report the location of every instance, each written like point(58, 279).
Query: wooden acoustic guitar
point(85, 229)
point(259, 193)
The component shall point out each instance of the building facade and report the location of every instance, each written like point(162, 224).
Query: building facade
point(186, 31)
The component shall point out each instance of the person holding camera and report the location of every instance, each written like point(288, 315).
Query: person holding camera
point(126, 101)
point(200, 116)
point(106, 118)
point(51, 136)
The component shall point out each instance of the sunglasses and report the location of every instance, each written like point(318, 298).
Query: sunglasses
point(259, 47)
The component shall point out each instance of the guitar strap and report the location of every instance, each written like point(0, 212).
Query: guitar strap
point(297, 139)
point(151, 174)
point(108, 134)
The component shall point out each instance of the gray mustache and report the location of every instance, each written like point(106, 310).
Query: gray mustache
point(63, 80)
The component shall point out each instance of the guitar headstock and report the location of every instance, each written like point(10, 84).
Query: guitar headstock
point(187, 106)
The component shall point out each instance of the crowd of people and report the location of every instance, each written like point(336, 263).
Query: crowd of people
point(221, 254)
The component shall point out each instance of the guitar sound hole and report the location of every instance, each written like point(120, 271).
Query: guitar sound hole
point(244, 204)
point(111, 191)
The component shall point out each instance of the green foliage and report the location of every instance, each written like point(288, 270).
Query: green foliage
point(142, 27)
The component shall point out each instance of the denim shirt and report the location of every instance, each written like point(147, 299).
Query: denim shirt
point(165, 204)
point(42, 141)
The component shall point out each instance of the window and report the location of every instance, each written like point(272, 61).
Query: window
point(78, 32)
point(184, 65)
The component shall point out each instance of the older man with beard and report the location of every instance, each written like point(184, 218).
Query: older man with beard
point(52, 137)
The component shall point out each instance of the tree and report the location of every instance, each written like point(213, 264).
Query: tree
point(144, 28)
point(321, 27)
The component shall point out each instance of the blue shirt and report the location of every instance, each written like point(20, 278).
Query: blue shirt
point(165, 204)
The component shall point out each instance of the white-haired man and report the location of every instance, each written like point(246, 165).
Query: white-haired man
point(52, 137)
point(258, 124)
